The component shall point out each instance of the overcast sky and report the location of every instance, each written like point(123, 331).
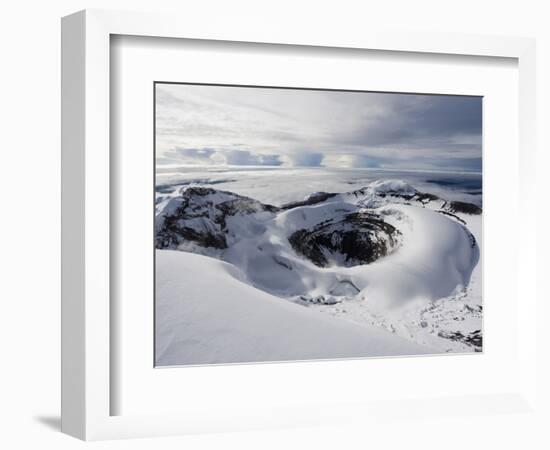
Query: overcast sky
point(219, 125)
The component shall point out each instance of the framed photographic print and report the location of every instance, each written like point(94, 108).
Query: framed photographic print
point(361, 210)
point(316, 213)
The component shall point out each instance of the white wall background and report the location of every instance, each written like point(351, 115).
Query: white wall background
point(29, 225)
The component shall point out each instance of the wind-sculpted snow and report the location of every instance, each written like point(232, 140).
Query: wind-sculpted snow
point(377, 255)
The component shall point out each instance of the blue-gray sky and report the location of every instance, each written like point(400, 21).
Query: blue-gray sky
point(237, 126)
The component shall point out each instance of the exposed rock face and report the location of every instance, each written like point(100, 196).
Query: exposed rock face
point(360, 238)
point(175, 231)
point(463, 207)
point(320, 299)
point(200, 215)
point(474, 339)
point(313, 199)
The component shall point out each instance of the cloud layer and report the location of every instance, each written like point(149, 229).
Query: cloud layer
point(222, 125)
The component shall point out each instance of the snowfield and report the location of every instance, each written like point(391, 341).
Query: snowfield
point(386, 269)
point(228, 321)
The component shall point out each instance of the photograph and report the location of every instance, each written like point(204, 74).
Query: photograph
point(298, 224)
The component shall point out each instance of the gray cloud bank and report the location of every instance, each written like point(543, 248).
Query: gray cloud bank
point(223, 125)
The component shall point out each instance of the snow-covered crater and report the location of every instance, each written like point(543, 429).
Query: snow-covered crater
point(379, 250)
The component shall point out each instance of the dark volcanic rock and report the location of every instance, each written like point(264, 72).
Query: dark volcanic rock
point(200, 215)
point(359, 238)
point(174, 231)
point(422, 197)
point(463, 207)
point(313, 199)
point(320, 299)
point(474, 339)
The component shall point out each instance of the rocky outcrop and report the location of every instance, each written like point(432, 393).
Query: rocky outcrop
point(360, 238)
point(462, 207)
point(473, 339)
point(313, 199)
point(200, 215)
point(381, 192)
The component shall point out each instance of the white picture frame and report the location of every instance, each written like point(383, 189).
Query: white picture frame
point(87, 325)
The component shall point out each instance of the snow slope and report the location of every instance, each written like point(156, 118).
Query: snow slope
point(228, 321)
